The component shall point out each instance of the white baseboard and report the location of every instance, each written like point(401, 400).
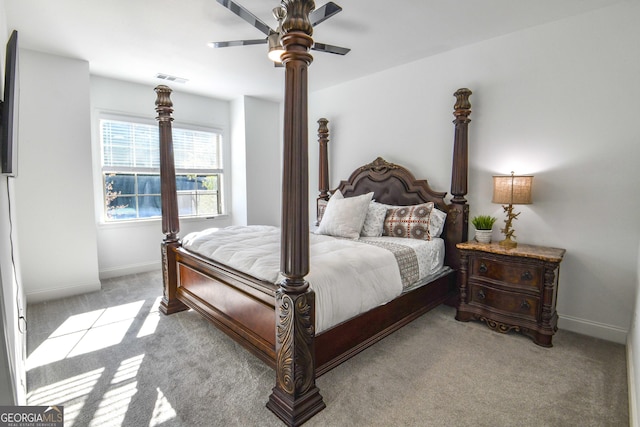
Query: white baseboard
point(57, 293)
point(593, 329)
point(126, 270)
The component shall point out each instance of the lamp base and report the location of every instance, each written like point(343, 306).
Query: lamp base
point(507, 230)
point(508, 243)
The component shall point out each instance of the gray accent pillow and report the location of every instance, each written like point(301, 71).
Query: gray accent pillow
point(374, 221)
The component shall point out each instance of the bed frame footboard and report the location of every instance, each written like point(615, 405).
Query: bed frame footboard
point(231, 300)
point(244, 310)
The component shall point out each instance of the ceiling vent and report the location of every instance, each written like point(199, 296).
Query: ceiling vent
point(171, 78)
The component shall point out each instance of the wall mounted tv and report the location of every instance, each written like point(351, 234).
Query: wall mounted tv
point(9, 110)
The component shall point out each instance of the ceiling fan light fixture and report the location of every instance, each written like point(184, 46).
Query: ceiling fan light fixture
point(274, 37)
point(275, 47)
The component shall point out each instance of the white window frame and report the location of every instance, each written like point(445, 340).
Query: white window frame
point(220, 171)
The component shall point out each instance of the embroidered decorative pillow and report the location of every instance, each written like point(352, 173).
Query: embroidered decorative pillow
point(374, 221)
point(343, 217)
point(409, 221)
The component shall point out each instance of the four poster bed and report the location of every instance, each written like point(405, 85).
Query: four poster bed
point(243, 306)
point(277, 318)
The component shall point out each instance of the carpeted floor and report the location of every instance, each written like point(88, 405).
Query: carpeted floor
point(112, 360)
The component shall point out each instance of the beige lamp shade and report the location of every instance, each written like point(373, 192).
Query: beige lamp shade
point(512, 189)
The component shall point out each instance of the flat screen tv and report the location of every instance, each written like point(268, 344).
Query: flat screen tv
point(9, 110)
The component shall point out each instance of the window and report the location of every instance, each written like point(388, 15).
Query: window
point(131, 170)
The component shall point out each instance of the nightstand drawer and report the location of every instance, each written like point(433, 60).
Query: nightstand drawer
point(510, 303)
point(512, 273)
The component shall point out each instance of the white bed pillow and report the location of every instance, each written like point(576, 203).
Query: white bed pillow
point(343, 217)
point(374, 221)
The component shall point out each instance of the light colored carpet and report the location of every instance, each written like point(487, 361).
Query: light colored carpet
point(112, 360)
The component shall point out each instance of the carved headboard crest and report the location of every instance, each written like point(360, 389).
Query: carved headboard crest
point(391, 184)
point(379, 165)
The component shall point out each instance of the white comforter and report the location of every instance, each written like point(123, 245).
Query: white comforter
point(348, 277)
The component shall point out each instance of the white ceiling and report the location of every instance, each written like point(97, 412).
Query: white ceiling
point(136, 39)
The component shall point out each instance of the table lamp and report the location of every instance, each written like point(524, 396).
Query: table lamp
point(511, 190)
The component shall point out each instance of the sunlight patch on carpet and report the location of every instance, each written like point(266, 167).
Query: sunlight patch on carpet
point(84, 339)
point(115, 402)
point(151, 321)
point(162, 410)
point(85, 333)
point(75, 388)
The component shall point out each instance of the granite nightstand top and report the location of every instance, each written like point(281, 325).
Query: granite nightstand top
point(527, 251)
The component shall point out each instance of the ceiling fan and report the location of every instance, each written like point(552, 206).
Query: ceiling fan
point(273, 36)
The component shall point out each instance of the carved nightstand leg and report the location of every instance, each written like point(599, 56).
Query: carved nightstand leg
point(542, 340)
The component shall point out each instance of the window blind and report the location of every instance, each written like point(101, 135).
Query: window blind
point(137, 146)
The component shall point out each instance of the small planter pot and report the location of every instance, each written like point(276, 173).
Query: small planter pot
point(483, 236)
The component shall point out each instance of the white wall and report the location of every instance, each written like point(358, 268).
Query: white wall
point(12, 341)
point(134, 247)
point(257, 157)
point(54, 197)
point(633, 356)
point(238, 162)
point(557, 101)
point(263, 160)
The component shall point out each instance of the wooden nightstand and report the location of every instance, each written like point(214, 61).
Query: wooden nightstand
point(510, 289)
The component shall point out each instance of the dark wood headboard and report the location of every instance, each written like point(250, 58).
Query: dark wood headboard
point(391, 184)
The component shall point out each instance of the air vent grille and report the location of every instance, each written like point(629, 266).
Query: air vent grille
point(171, 78)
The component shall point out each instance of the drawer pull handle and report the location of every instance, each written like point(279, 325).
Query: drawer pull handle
point(483, 268)
point(525, 304)
point(481, 294)
point(527, 275)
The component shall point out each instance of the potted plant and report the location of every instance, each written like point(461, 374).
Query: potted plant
point(483, 225)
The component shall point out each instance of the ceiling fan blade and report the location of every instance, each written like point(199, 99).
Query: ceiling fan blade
point(321, 47)
point(237, 43)
point(323, 13)
point(246, 15)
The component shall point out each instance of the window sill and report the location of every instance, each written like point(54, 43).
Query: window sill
point(154, 222)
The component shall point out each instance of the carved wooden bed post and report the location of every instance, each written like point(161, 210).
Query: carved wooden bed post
point(323, 140)
point(170, 221)
point(460, 209)
point(323, 169)
point(295, 398)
